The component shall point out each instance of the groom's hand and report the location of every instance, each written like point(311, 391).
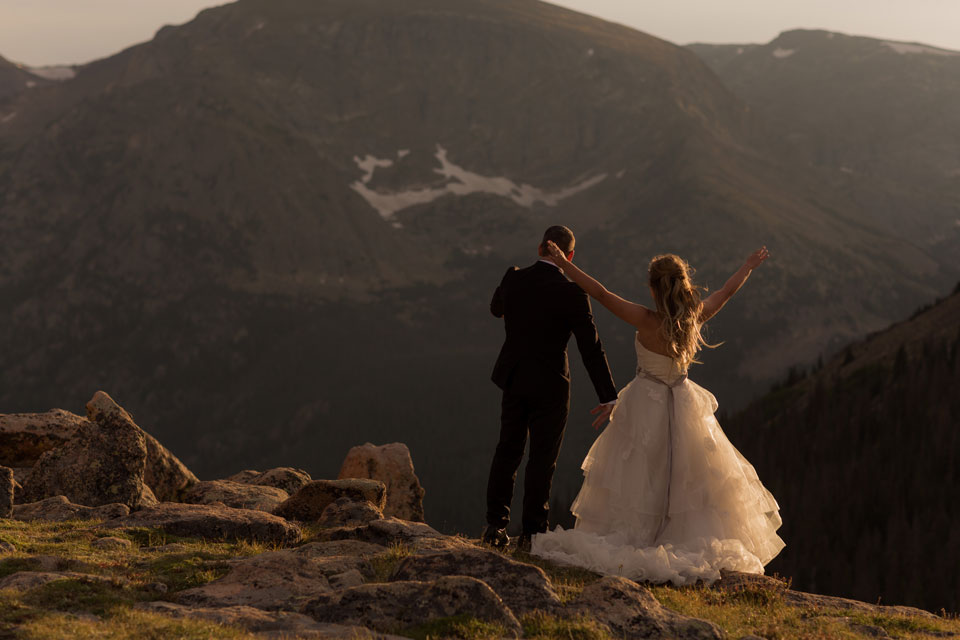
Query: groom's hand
point(602, 411)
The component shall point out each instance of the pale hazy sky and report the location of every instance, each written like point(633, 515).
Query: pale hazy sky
point(40, 32)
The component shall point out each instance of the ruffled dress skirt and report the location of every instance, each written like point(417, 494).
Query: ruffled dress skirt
point(718, 515)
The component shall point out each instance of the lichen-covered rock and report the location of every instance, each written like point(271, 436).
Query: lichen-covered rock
point(390, 606)
point(523, 587)
point(307, 504)
point(287, 478)
point(60, 509)
point(212, 521)
point(392, 465)
point(390, 531)
point(276, 580)
point(631, 611)
point(166, 476)
point(6, 492)
point(737, 582)
point(26, 580)
point(347, 513)
point(24, 437)
point(281, 624)
point(104, 462)
point(235, 494)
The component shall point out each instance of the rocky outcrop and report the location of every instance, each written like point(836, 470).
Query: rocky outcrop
point(235, 494)
point(347, 513)
point(307, 504)
point(6, 492)
point(103, 463)
point(24, 437)
point(166, 476)
point(736, 582)
point(287, 478)
point(278, 579)
point(523, 587)
point(392, 465)
point(390, 606)
point(418, 536)
point(214, 522)
point(274, 624)
point(60, 509)
point(631, 611)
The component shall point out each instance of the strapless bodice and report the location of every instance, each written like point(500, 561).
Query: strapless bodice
point(657, 365)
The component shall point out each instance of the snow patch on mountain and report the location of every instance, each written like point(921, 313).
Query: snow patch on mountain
point(458, 181)
point(780, 52)
point(53, 73)
point(369, 164)
point(906, 48)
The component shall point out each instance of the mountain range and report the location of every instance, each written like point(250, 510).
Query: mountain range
point(275, 229)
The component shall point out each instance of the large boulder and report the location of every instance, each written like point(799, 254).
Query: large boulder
point(392, 465)
point(166, 476)
point(631, 611)
point(388, 607)
point(308, 504)
point(24, 437)
point(273, 624)
point(523, 587)
point(283, 579)
point(287, 478)
point(60, 509)
point(235, 494)
point(212, 521)
point(6, 492)
point(103, 463)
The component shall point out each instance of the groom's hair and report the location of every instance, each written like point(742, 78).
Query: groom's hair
point(561, 236)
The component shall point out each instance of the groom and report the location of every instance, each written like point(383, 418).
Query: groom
point(540, 308)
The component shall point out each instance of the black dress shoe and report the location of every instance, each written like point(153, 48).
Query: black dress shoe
point(496, 537)
point(524, 543)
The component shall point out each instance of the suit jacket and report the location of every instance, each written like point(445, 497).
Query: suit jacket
point(541, 309)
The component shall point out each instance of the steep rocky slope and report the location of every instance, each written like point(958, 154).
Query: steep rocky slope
point(862, 456)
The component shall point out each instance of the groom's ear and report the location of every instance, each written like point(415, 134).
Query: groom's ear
point(570, 256)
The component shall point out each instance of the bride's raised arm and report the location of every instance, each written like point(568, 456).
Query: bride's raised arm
point(630, 312)
point(718, 298)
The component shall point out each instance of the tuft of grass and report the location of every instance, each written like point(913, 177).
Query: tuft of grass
point(79, 595)
point(385, 564)
point(180, 571)
point(546, 627)
point(463, 626)
point(126, 624)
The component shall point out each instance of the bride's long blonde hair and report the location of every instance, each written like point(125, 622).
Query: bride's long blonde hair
point(679, 304)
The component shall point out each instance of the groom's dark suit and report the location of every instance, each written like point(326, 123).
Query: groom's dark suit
point(540, 308)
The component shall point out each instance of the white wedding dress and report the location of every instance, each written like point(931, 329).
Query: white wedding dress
point(665, 495)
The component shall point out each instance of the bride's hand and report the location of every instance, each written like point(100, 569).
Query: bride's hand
point(556, 254)
point(756, 258)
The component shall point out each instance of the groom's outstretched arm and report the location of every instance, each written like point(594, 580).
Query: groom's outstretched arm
point(591, 349)
point(497, 304)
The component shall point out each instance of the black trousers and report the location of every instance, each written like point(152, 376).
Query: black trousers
point(544, 417)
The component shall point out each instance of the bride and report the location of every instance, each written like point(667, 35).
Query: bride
point(665, 496)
